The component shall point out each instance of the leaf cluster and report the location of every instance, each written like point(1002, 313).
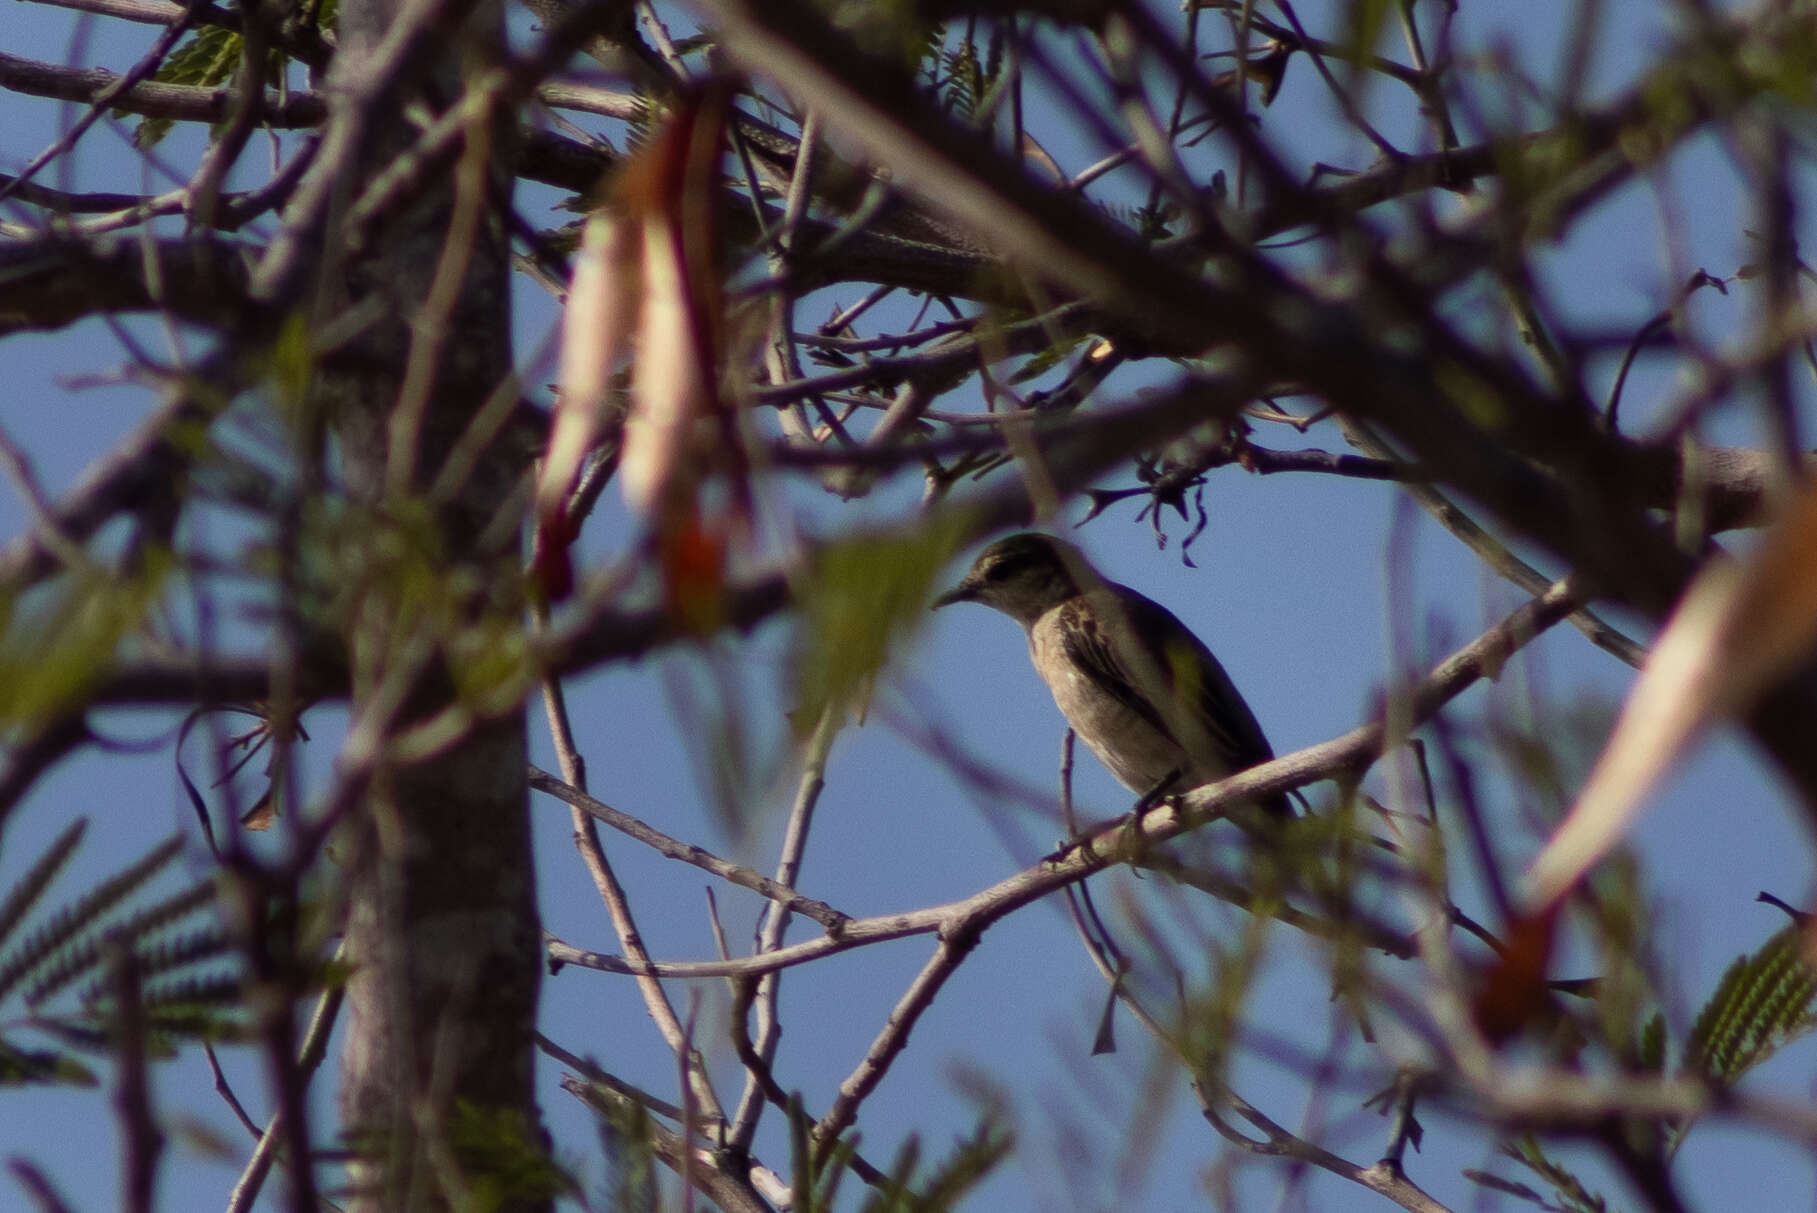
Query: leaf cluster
point(907, 1187)
point(863, 594)
point(964, 75)
point(174, 942)
point(1573, 1196)
point(208, 58)
point(1761, 1004)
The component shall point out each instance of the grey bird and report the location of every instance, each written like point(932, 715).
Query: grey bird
point(1140, 690)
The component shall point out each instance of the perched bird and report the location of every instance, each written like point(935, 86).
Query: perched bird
point(1140, 690)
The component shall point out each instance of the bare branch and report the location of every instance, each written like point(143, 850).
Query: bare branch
point(177, 102)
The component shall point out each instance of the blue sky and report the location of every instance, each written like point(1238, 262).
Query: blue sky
point(1295, 589)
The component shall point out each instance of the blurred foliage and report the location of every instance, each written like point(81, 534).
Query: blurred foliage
point(209, 58)
point(862, 594)
point(386, 580)
point(492, 1158)
point(906, 1188)
point(1762, 1003)
point(964, 76)
point(1573, 1196)
point(504, 1160)
point(384, 577)
point(631, 1164)
point(1617, 905)
point(188, 988)
point(899, 30)
point(946, 1180)
point(56, 641)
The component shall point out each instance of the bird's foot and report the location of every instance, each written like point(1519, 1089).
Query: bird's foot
point(1157, 794)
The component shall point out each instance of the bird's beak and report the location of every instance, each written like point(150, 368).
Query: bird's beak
point(965, 591)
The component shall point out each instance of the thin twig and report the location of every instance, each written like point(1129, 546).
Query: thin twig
point(833, 920)
point(617, 903)
point(953, 949)
point(776, 917)
point(309, 1059)
point(1492, 551)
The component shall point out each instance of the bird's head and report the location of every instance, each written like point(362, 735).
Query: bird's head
point(1024, 576)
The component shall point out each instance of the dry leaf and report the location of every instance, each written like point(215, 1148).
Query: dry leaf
point(1742, 624)
point(597, 325)
point(646, 280)
point(262, 815)
point(1514, 990)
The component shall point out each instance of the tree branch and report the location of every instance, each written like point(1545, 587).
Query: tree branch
point(153, 99)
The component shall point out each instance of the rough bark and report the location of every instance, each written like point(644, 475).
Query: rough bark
point(441, 927)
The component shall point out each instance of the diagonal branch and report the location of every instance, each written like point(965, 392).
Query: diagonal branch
point(1341, 757)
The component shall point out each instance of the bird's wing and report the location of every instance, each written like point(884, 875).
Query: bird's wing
point(1179, 659)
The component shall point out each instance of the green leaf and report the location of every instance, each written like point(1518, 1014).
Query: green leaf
point(1043, 361)
point(1572, 1195)
point(21, 1067)
point(503, 1159)
point(52, 651)
point(962, 79)
point(59, 952)
point(31, 886)
point(1762, 1002)
point(1509, 1187)
point(209, 59)
point(1652, 1054)
point(861, 595)
point(973, 1158)
point(156, 957)
point(627, 1146)
point(1368, 18)
point(187, 991)
point(949, 1179)
point(206, 60)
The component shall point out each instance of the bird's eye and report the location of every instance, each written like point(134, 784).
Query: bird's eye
point(1003, 570)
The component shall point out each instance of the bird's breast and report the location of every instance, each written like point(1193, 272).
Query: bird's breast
point(1124, 740)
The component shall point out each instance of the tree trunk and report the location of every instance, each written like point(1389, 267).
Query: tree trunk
point(437, 1092)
